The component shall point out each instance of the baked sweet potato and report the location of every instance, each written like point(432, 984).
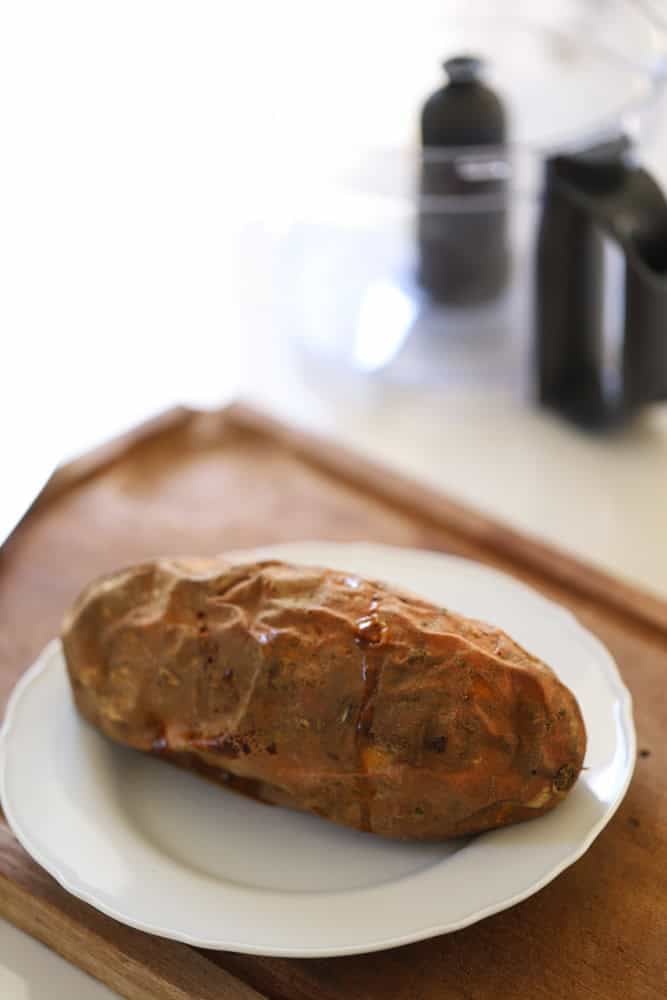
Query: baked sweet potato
point(318, 690)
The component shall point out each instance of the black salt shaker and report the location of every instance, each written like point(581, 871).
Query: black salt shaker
point(462, 220)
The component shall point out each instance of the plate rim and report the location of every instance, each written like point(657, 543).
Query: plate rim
point(51, 656)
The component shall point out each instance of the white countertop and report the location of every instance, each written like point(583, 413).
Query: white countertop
point(120, 205)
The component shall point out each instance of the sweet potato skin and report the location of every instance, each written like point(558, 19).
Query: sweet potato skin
point(324, 692)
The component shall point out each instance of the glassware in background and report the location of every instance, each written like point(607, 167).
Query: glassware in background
point(354, 281)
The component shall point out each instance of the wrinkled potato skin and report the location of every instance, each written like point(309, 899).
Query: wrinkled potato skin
point(320, 691)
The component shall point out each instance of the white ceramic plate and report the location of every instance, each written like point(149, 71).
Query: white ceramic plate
point(164, 851)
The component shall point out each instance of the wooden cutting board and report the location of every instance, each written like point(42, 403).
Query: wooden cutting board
point(202, 483)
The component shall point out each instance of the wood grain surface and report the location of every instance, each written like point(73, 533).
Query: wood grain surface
point(201, 483)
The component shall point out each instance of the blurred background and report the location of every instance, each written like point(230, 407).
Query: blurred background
point(201, 201)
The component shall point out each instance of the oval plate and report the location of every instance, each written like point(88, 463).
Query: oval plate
point(164, 851)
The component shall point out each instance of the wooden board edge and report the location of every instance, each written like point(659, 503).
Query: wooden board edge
point(410, 495)
point(90, 463)
point(135, 964)
point(84, 467)
point(431, 505)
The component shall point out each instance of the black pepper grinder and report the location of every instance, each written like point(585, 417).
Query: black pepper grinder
point(463, 248)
